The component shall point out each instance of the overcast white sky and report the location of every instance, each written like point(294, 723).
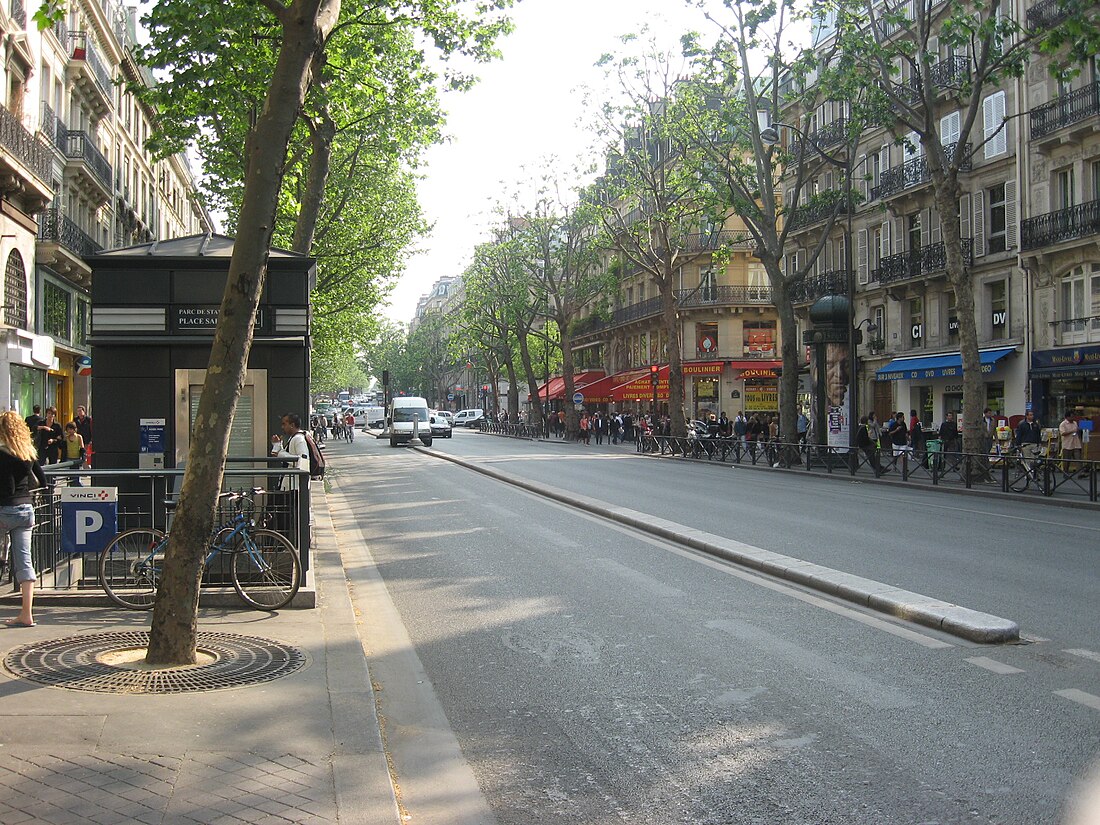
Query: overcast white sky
point(525, 108)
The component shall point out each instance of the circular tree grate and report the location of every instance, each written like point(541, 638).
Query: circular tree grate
point(91, 663)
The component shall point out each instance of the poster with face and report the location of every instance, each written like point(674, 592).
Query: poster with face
point(838, 413)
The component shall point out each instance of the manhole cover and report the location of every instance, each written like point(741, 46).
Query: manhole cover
point(111, 663)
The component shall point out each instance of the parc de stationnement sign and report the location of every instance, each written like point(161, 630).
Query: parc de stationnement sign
point(203, 319)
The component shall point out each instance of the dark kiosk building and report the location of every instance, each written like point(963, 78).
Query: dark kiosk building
point(154, 311)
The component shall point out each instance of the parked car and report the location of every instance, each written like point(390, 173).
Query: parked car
point(450, 416)
point(441, 427)
point(468, 418)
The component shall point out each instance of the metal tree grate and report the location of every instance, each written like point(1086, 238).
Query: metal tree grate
point(74, 663)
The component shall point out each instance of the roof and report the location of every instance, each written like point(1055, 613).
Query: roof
point(189, 246)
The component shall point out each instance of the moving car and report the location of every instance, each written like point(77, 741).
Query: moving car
point(408, 418)
point(468, 418)
point(441, 427)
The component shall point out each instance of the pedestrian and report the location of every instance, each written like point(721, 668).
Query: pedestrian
point(600, 426)
point(724, 425)
point(561, 424)
point(899, 435)
point(614, 427)
point(1070, 431)
point(740, 427)
point(1028, 436)
point(868, 446)
point(47, 440)
point(585, 428)
point(949, 434)
point(916, 432)
point(989, 430)
point(291, 446)
point(803, 426)
point(73, 451)
point(34, 420)
point(20, 473)
point(83, 423)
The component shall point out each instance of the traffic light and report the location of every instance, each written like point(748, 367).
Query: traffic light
point(654, 373)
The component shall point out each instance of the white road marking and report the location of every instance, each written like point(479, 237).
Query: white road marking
point(1079, 696)
point(1084, 654)
point(993, 665)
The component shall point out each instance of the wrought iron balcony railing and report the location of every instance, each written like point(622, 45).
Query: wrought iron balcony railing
point(819, 209)
point(82, 48)
point(1065, 110)
point(25, 147)
point(916, 263)
point(725, 295)
point(54, 227)
point(1046, 14)
point(949, 73)
point(808, 289)
point(914, 173)
point(1063, 225)
point(53, 127)
point(704, 241)
point(832, 134)
point(80, 146)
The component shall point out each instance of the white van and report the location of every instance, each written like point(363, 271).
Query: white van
point(468, 418)
point(408, 416)
point(374, 418)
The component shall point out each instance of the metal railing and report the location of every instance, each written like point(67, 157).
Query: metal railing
point(1063, 225)
point(53, 127)
point(823, 207)
point(1012, 475)
point(142, 495)
point(528, 431)
point(914, 173)
point(724, 294)
point(1046, 14)
point(56, 227)
point(917, 263)
point(811, 287)
point(82, 48)
point(27, 149)
point(81, 146)
point(949, 73)
point(1065, 110)
point(827, 136)
point(708, 241)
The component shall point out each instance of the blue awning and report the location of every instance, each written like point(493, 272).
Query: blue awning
point(947, 365)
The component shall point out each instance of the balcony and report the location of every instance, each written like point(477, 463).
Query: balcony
point(820, 208)
point(1077, 330)
point(712, 241)
point(62, 245)
point(1064, 225)
point(1046, 14)
point(709, 296)
point(53, 128)
point(917, 263)
point(25, 164)
point(808, 289)
point(823, 138)
point(913, 173)
point(949, 73)
point(88, 71)
point(1075, 107)
point(90, 167)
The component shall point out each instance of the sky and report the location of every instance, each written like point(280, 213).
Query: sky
point(526, 108)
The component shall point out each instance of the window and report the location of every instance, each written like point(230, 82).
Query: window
point(998, 310)
point(1095, 180)
point(15, 291)
point(706, 340)
point(916, 322)
point(914, 234)
point(878, 316)
point(996, 232)
point(708, 286)
point(1080, 305)
point(55, 311)
point(996, 131)
point(1065, 189)
point(759, 339)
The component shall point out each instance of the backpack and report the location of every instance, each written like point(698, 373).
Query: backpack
point(316, 458)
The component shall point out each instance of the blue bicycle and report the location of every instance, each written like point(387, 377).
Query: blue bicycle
point(265, 568)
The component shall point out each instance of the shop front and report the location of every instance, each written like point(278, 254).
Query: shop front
point(932, 384)
point(33, 372)
point(1067, 380)
point(755, 387)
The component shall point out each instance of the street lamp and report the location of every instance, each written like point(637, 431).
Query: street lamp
point(769, 135)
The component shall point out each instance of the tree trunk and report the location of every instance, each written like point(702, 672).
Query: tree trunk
point(532, 382)
point(572, 418)
point(175, 616)
point(321, 139)
point(513, 391)
point(677, 417)
point(789, 347)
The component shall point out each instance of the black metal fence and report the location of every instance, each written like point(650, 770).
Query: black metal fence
point(144, 500)
point(512, 430)
point(1009, 473)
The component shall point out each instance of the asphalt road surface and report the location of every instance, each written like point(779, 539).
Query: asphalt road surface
point(536, 664)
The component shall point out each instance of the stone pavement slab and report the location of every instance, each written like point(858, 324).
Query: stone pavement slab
point(301, 749)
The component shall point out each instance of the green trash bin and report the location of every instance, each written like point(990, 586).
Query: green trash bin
point(935, 453)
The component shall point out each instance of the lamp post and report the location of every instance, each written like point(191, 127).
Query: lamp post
point(770, 136)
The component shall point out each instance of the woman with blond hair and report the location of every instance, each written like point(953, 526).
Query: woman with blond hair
point(20, 473)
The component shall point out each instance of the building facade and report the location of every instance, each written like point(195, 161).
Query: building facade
point(76, 180)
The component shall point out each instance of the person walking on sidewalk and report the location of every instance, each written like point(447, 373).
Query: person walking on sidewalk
point(83, 423)
point(1029, 436)
point(20, 473)
point(1070, 432)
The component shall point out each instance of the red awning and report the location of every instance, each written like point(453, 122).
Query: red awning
point(755, 364)
point(557, 384)
point(599, 391)
point(641, 388)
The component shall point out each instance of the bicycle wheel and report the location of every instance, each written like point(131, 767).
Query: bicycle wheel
point(129, 567)
point(266, 570)
point(1022, 476)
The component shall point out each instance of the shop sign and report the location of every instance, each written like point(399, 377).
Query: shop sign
point(953, 325)
point(708, 368)
point(917, 331)
point(761, 399)
point(1088, 357)
point(1000, 318)
point(203, 318)
point(757, 374)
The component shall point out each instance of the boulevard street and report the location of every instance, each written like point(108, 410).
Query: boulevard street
point(536, 663)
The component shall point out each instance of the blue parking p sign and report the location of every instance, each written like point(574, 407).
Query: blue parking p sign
point(89, 518)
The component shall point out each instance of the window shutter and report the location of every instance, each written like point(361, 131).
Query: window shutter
point(925, 227)
point(861, 262)
point(900, 235)
point(935, 230)
point(884, 252)
point(829, 181)
point(979, 223)
point(884, 155)
point(913, 147)
point(828, 255)
point(863, 177)
point(950, 126)
point(934, 49)
point(799, 261)
point(1001, 141)
point(964, 216)
point(1010, 214)
point(993, 115)
point(790, 199)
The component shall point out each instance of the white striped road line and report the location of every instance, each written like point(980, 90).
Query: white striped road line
point(1079, 696)
point(1084, 654)
point(993, 665)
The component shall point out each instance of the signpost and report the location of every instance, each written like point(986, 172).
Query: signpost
point(89, 518)
point(578, 398)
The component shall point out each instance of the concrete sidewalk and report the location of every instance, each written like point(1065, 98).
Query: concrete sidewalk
point(302, 748)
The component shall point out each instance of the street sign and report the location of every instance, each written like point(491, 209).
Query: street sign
point(450, 396)
point(89, 518)
point(579, 407)
point(578, 398)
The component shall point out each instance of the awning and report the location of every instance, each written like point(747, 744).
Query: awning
point(947, 365)
point(599, 391)
point(755, 364)
point(557, 384)
point(641, 388)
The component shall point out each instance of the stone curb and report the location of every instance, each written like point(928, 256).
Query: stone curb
point(903, 604)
